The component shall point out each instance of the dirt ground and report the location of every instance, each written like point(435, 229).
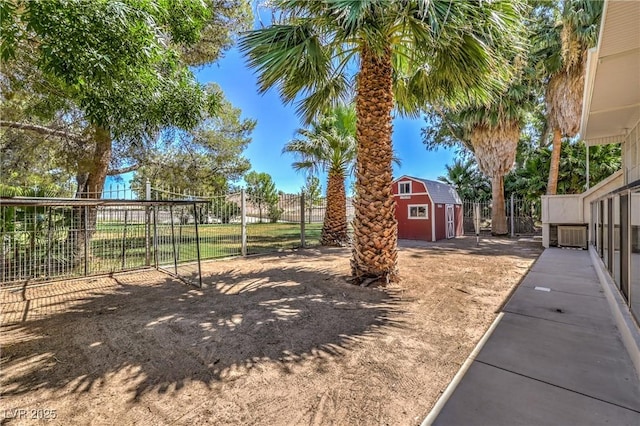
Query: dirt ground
point(277, 339)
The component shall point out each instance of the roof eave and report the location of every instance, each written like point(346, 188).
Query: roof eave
point(592, 65)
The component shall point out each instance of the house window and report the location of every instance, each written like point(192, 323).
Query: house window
point(404, 187)
point(419, 212)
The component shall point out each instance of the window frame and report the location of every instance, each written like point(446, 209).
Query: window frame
point(426, 211)
point(400, 187)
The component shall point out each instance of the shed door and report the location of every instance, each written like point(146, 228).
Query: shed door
point(451, 229)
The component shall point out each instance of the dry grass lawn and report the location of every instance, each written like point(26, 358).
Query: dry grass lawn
point(277, 339)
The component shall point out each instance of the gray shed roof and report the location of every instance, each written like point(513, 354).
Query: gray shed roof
point(439, 192)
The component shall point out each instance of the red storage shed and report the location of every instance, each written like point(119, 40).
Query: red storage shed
point(426, 209)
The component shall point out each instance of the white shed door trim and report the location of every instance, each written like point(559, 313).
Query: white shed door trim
point(451, 229)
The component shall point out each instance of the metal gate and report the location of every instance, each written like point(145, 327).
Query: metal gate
point(176, 240)
point(523, 217)
point(44, 239)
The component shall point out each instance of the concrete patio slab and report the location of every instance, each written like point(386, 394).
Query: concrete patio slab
point(554, 358)
point(574, 263)
point(588, 362)
point(567, 284)
point(491, 396)
point(564, 268)
point(576, 309)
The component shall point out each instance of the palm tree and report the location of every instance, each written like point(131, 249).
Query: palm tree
point(465, 177)
point(495, 145)
point(329, 145)
point(407, 53)
point(492, 133)
point(564, 49)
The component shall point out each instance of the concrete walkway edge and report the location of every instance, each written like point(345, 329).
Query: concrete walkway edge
point(621, 314)
point(435, 411)
point(564, 350)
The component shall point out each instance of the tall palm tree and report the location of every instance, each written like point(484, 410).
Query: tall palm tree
point(564, 48)
point(492, 133)
point(407, 53)
point(495, 144)
point(329, 145)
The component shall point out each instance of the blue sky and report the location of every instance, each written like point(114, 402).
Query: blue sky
point(277, 124)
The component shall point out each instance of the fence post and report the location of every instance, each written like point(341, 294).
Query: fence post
point(156, 259)
point(49, 237)
point(147, 226)
point(476, 221)
point(124, 241)
point(173, 240)
point(513, 231)
point(86, 241)
point(302, 227)
point(243, 220)
point(195, 216)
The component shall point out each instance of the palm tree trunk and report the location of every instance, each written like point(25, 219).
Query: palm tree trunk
point(554, 167)
point(375, 228)
point(498, 216)
point(334, 228)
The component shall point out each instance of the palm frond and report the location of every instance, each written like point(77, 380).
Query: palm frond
point(328, 143)
point(449, 52)
point(290, 57)
point(324, 96)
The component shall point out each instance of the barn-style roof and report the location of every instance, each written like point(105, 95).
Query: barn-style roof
point(440, 193)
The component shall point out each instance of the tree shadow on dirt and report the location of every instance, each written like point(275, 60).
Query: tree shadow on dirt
point(164, 335)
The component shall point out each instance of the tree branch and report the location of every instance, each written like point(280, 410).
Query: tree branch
point(453, 132)
point(43, 130)
point(122, 170)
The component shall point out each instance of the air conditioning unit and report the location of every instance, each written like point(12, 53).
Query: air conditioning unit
point(572, 236)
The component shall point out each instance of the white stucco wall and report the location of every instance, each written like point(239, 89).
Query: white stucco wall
point(612, 183)
point(575, 209)
point(562, 209)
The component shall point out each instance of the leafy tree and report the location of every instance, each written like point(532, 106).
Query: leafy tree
point(529, 179)
point(312, 191)
point(105, 77)
point(492, 133)
point(407, 53)
point(261, 190)
point(229, 18)
point(274, 213)
point(28, 160)
point(329, 145)
point(205, 160)
point(102, 76)
point(566, 31)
